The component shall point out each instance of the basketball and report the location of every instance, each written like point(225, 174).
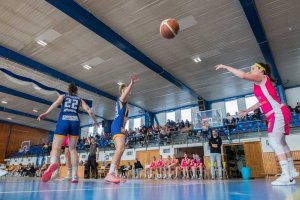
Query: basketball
point(169, 28)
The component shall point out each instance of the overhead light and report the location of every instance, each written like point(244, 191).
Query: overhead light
point(197, 59)
point(87, 67)
point(9, 118)
point(119, 83)
point(35, 110)
point(4, 102)
point(42, 43)
point(37, 87)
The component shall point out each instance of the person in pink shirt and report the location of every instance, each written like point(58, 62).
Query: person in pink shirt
point(277, 114)
point(160, 165)
point(174, 166)
point(185, 163)
point(153, 167)
point(193, 166)
point(167, 163)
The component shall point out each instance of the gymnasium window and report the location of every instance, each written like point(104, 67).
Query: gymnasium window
point(137, 123)
point(250, 101)
point(100, 129)
point(171, 116)
point(186, 114)
point(127, 125)
point(231, 107)
point(91, 130)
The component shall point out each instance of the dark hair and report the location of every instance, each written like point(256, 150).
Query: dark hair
point(268, 70)
point(72, 89)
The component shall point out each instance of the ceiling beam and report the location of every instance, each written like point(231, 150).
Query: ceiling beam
point(29, 97)
point(78, 13)
point(15, 112)
point(32, 64)
point(252, 15)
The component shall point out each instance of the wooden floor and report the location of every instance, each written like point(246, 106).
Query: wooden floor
point(33, 189)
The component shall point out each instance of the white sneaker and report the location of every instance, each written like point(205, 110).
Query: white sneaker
point(3, 172)
point(283, 180)
point(55, 174)
point(295, 174)
point(68, 177)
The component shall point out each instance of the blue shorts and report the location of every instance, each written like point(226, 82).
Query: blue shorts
point(66, 127)
point(116, 130)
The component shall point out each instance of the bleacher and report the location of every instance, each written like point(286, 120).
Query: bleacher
point(176, 137)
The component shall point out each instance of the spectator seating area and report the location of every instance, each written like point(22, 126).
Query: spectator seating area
point(171, 133)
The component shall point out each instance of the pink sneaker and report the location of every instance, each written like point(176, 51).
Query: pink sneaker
point(48, 173)
point(112, 178)
point(74, 179)
point(122, 180)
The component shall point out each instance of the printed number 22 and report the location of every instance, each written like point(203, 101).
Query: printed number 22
point(71, 103)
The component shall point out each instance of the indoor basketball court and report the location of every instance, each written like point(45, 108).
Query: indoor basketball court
point(149, 99)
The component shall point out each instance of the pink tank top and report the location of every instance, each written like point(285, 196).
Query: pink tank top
point(267, 96)
point(174, 161)
point(167, 162)
point(160, 163)
point(185, 162)
point(153, 164)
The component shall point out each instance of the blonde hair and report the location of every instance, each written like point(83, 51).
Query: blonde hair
point(121, 87)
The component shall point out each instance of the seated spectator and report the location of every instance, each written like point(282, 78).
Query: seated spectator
point(187, 123)
point(290, 108)
point(137, 168)
point(182, 124)
point(230, 122)
point(257, 114)
point(297, 108)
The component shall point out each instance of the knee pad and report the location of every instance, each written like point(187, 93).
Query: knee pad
point(277, 146)
point(286, 149)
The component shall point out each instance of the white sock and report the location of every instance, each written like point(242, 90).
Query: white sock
point(112, 168)
point(284, 167)
point(291, 165)
point(54, 160)
point(74, 171)
point(69, 172)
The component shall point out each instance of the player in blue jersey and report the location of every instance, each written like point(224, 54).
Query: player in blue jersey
point(118, 129)
point(68, 124)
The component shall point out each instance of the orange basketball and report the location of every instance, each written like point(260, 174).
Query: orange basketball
point(169, 28)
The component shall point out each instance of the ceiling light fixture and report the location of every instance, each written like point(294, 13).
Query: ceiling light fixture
point(35, 110)
point(87, 67)
point(9, 118)
point(37, 87)
point(4, 102)
point(197, 59)
point(42, 43)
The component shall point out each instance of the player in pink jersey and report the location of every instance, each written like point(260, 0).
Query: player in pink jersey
point(277, 114)
point(174, 166)
point(199, 166)
point(153, 167)
point(185, 163)
point(167, 163)
point(160, 165)
point(193, 166)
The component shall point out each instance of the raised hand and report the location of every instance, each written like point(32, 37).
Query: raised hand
point(220, 66)
point(135, 78)
point(42, 116)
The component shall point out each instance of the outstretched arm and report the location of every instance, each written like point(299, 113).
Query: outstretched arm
point(134, 79)
point(55, 104)
point(252, 108)
point(249, 77)
point(89, 111)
